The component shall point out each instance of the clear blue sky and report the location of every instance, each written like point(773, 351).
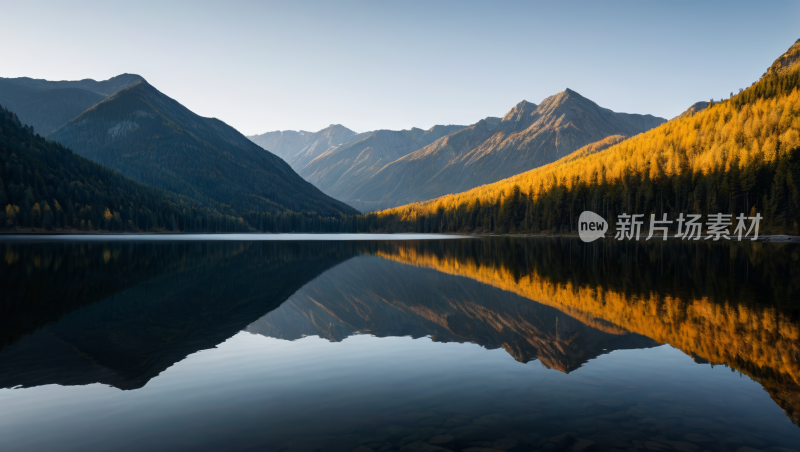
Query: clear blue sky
point(263, 66)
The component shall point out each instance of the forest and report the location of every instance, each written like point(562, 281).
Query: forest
point(737, 156)
point(45, 186)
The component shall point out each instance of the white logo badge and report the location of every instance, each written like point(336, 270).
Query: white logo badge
point(591, 226)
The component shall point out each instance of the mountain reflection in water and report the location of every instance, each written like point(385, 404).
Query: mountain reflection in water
point(122, 313)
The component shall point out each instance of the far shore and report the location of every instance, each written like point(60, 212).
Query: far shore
point(783, 238)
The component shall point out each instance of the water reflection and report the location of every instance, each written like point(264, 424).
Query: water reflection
point(730, 303)
point(123, 313)
point(375, 296)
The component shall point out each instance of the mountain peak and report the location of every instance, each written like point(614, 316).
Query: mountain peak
point(337, 128)
point(568, 94)
point(560, 100)
point(125, 78)
point(520, 115)
point(245, 178)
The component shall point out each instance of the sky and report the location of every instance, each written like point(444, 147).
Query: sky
point(264, 66)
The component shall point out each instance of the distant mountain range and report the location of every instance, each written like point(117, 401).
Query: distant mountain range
point(152, 138)
point(47, 105)
point(127, 125)
point(527, 137)
point(299, 148)
point(389, 168)
point(341, 170)
point(337, 160)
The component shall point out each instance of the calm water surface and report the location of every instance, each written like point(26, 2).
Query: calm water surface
point(472, 344)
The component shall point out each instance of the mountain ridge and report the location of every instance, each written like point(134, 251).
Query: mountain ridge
point(300, 147)
point(528, 136)
point(340, 169)
point(152, 138)
point(47, 105)
point(739, 155)
point(45, 186)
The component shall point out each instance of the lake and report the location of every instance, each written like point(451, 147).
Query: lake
point(394, 343)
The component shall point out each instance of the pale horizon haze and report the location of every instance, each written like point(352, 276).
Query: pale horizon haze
point(264, 66)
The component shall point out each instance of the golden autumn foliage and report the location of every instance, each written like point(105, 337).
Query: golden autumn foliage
point(727, 143)
point(697, 303)
point(759, 340)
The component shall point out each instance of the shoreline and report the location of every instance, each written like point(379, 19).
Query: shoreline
point(776, 238)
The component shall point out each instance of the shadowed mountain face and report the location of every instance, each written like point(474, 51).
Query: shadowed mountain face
point(374, 296)
point(342, 169)
point(121, 313)
point(47, 105)
point(527, 137)
point(78, 194)
point(153, 139)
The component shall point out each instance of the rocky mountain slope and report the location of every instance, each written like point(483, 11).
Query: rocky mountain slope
point(527, 137)
point(340, 170)
point(787, 61)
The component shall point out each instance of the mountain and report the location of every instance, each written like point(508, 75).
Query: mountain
point(299, 148)
point(47, 105)
point(527, 137)
point(697, 106)
point(153, 139)
point(371, 295)
point(740, 155)
point(44, 185)
point(340, 170)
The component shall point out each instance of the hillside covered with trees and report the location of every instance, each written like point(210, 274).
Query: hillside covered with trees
point(736, 156)
point(45, 186)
